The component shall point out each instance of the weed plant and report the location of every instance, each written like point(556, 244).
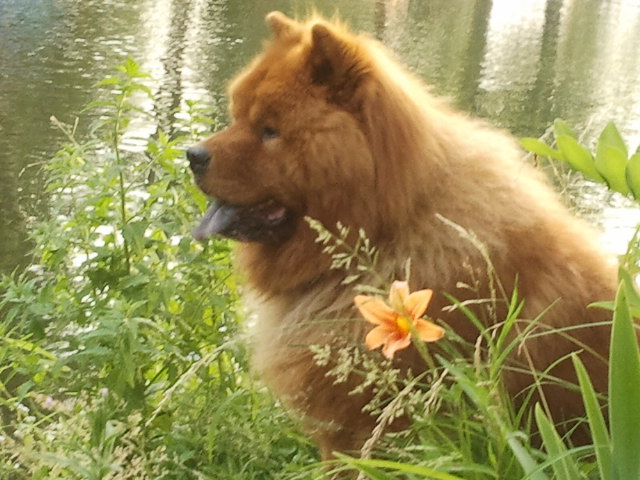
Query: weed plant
point(120, 354)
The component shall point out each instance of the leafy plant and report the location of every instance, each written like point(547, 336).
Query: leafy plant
point(616, 445)
point(616, 442)
point(120, 350)
point(611, 164)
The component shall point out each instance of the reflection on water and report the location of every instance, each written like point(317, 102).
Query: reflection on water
point(512, 53)
point(621, 222)
point(521, 64)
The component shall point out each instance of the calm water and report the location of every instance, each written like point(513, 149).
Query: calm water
point(520, 63)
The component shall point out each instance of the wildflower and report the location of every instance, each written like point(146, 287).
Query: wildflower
point(395, 321)
point(49, 402)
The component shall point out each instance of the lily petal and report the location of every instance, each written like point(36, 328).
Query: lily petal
point(428, 331)
point(376, 337)
point(417, 302)
point(395, 343)
point(397, 294)
point(374, 310)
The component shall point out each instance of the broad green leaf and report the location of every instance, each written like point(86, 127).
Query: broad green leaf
point(611, 136)
point(133, 233)
point(597, 424)
point(97, 104)
point(132, 69)
point(562, 464)
point(107, 82)
point(560, 127)
point(624, 392)
point(540, 148)
point(132, 281)
point(611, 162)
point(578, 156)
point(633, 175)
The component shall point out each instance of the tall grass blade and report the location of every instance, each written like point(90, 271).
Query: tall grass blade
point(562, 463)
point(372, 468)
point(597, 424)
point(526, 461)
point(624, 392)
point(480, 398)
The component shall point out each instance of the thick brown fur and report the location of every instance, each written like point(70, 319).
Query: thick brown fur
point(361, 141)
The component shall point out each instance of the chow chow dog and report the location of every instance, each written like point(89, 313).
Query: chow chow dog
point(327, 124)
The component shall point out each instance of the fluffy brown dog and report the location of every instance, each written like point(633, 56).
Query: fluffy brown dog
point(327, 125)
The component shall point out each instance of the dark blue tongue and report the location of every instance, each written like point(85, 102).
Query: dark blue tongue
point(266, 222)
point(216, 221)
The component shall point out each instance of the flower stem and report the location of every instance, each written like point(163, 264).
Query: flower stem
point(422, 349)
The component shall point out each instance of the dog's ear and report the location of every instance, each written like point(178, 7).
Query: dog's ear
point(281, 25)
point(335, 62)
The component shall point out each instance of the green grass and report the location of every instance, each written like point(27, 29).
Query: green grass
point(121, 354)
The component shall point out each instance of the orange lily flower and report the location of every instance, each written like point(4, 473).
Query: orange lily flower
point(395, 320)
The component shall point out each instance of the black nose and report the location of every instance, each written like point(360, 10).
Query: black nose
point(198, 158)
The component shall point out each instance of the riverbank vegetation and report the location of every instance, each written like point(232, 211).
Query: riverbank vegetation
point(122, 349)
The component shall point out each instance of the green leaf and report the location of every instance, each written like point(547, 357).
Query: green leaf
point(27, 346)
point(578, 156)
point(633, 175)
point(597, 424)
point(624, 392)
point(611, 159)
point(107, 81)
point(143, 88)
point(611, 136)
point(133, 233)
point(372, 468)
point(540, 148)
point(611, 162)
point(133, 281)
point(562, 464)
point(633, 296)
point(526, 461)
point(97, 104)
point(477, 393)
point(560, 127)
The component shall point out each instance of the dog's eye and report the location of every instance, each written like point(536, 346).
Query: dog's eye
point(269, 133)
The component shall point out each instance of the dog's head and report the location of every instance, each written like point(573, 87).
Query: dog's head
point(296, 145)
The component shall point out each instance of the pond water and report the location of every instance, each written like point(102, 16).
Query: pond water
point(519, 63)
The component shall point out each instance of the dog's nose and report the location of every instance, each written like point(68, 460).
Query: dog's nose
point(198, 158)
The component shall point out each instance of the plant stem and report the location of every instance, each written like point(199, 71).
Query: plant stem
point(121, 187)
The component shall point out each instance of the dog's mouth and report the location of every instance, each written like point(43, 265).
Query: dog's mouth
point(265, 222)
